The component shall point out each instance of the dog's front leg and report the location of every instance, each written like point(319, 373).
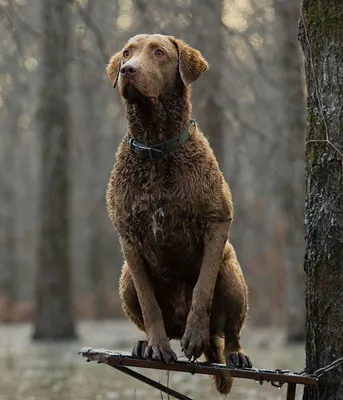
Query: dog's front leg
point(196, 336)
point(158, 347)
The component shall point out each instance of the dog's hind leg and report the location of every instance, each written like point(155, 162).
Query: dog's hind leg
point(229, 309)
point(233, 295)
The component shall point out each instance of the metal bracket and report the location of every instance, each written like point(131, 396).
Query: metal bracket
point(121, 361)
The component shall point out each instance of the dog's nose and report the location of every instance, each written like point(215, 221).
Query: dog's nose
point(128, 70)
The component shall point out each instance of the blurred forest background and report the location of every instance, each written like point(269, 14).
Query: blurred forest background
point(53, 55)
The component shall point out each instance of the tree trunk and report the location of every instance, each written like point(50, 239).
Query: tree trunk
point(91, 122)
point(96, 262)
point(291, 178)
point(54, 316)
point(208, 93)
point(321, 36)
point(9, 260)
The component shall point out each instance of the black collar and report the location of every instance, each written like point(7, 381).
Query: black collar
point(158, 150)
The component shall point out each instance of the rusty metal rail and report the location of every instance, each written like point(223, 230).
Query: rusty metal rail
point(121, 361)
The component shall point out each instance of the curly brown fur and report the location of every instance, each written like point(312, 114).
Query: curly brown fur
point(181, 278)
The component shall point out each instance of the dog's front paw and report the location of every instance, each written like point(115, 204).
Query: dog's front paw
point(160, 352)
point(195, 341)
point(238, 360)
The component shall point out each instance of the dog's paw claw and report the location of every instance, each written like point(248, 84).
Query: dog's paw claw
point(162, 353)
point(238, 360)
point(193, 345)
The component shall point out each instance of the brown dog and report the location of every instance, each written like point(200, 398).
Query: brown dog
point(172, 209)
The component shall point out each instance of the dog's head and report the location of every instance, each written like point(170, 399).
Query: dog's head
point(150, 65)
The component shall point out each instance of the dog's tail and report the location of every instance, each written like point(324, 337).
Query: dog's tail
point(215, 354)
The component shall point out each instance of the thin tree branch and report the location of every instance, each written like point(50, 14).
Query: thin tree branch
point(85, 15)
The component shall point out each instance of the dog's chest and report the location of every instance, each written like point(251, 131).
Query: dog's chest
point(171, 240)
point(158, 222)
point(160, 211)
point(158, 204)
point(162, 217)
point(162, 221)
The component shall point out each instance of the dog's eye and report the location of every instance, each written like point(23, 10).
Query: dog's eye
point(126, 53)
point(159, 53)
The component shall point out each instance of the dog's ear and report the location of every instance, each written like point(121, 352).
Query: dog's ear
point(191, 63)
point(113, 68)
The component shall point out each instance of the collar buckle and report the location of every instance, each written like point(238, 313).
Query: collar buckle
point(150, 152)
point(141, 148)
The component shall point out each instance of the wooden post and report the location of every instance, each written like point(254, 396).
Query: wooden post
point(291, 388)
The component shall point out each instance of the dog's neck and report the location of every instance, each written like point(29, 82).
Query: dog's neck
point(164, 119)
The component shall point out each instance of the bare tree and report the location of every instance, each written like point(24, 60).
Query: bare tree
point(90, 122)
point(209, 38)
point(291, 181)
point(54, 317)
point(13, 100)
point(8, 284)
point(321, 36)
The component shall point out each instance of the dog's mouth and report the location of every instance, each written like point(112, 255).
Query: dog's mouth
point(133, 95)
